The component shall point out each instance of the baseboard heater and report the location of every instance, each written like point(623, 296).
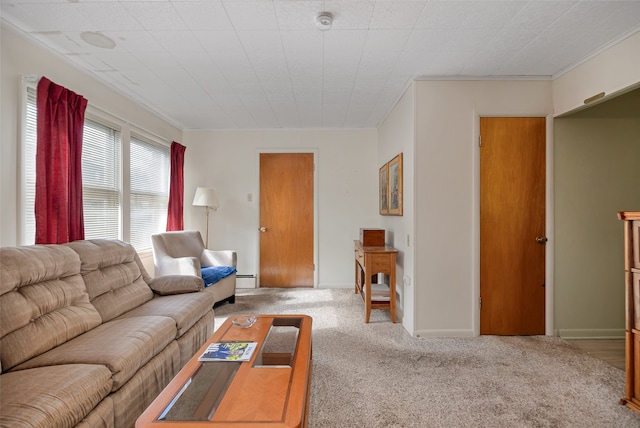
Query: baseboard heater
point(245, 281)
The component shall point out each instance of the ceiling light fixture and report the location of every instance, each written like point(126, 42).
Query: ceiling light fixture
point(324, 20)
point(98, 40)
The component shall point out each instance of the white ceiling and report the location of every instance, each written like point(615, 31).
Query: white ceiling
point(236, 64)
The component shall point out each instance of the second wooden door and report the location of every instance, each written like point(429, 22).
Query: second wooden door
point(286, 220)
point(512, 226)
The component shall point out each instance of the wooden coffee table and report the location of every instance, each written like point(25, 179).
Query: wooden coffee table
point(271, 390)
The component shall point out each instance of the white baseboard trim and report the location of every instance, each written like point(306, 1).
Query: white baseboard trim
point(246, 281)
point(336, 285)
point(444, 333)
point(613, 333)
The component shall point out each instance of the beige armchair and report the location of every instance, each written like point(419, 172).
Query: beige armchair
point(183, 253)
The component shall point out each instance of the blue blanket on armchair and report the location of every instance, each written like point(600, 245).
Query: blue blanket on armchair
point(213, 274)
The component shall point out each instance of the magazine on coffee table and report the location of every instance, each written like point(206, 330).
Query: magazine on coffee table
point(229, 351)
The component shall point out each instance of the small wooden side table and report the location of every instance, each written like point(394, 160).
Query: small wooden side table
point(370, 261)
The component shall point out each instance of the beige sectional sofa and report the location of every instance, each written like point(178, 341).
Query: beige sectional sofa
point(87, 338)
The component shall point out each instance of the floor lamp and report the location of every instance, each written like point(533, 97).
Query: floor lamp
point(206, 197)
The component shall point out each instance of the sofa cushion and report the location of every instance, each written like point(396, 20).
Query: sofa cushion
point(176, 284)
point(44, 301)
point(100, 417)
point(184, 309)
point(64, 395)
point(137, 394)
point(113, 274)
point(122, 345)
point(191, 341)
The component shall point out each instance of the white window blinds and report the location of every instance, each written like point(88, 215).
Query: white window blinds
point(101, 181)
point(149, 197)
point(29, 169)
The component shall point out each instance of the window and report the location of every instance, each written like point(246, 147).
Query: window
point(102, 177)
point(149, 196)
point(29, 169)
point(101, 181)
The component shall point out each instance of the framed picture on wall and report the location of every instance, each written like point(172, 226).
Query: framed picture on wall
point(384, 189)
point(394, 194)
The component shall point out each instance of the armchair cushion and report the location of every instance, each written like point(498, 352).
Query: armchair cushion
point(213, 274)
point(176, 284)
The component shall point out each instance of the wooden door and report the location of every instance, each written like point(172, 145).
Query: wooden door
point(512, 226)
point(286, 220)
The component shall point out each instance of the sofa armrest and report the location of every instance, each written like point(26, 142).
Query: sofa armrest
point(176, 284)
point(178, 266)
point(219, 258)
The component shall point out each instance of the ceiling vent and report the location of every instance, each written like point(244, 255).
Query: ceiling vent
point(98, 40)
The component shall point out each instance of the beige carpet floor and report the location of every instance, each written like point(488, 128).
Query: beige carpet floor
point(377, 375)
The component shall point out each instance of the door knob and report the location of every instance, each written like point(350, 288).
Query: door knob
point(541, 239)
point(263, 229)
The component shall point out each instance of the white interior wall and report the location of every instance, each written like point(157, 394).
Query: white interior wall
point(597, 175)
point(582, 159)
point(612, 71)
point(346, 166)
point(447, 193)
point(396, 135)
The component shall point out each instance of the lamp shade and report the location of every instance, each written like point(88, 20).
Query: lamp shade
point(206, 197)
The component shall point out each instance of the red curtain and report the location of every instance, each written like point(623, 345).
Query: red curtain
point(58, 203)
point(175, 218)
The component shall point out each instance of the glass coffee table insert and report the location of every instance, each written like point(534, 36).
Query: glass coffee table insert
point(202, 393)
